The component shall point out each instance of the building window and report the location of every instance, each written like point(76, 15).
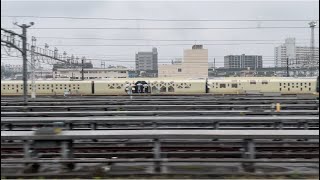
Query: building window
point(266, 82)
point(179, 70)
point(223, 86)
point(253, 82)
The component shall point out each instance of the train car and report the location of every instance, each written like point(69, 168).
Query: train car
point(11, 88)
point(230, 85)
point(246, 85)
point(152, 86)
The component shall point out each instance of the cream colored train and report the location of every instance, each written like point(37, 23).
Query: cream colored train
point(232, 85)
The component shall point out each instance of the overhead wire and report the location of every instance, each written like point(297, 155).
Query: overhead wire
point(153, 19)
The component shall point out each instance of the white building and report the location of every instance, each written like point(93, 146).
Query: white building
point(299, 56)
point(92, 73)
point(194, 64)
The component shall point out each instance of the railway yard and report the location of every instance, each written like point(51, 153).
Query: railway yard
point(154, 135)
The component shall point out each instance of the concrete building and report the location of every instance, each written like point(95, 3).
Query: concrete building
point(261, 72)
point(91, 73)
point(147, 62)
point(193, 65)
point(86, 65)
point(243, 61)
point(298, 56)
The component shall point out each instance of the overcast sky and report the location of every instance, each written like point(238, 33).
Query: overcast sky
point(195, 10)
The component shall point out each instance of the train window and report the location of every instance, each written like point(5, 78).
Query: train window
point(266, 82)
point(170, 89)
point(253, 82)
point(223, 86)
point(234, 85)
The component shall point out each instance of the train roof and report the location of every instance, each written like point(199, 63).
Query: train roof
point(155, 80)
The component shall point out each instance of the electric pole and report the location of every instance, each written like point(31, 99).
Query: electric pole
point(312, 26)
point(24, 28)
point(33, 68)
point(288, 75)
point(82, 72)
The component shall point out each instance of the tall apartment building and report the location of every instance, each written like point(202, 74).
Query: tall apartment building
point(147, 62)
point(298, 56)
point(193, 65)
point(243, 61)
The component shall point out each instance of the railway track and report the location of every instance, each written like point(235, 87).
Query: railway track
point(120, 131)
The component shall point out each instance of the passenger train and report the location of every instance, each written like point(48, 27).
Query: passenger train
point(228, 85)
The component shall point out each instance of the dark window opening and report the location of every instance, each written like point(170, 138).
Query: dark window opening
point(223, 86)
point(234, 85)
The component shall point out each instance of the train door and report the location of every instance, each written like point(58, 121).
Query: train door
point(141, 87)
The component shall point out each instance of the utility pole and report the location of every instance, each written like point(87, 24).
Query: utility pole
point(82, 72)
point(288, 75)
point(33, 68)
point(24, 55)
point(312, 26)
